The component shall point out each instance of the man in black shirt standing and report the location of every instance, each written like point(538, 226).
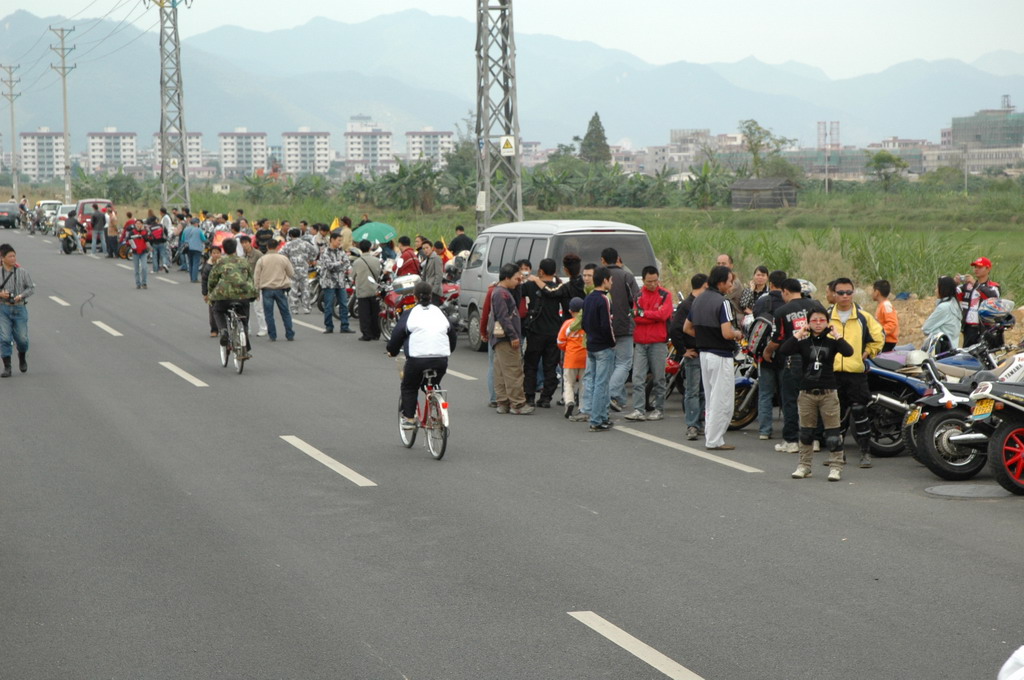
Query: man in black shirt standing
point(461, 241)
point(543, 321)
point(711, 323)
point(693, 397)
point(789, 318)
point(770, 371)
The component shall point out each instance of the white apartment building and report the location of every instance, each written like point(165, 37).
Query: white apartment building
point(306, 152)
point(368, 147)
point(242, 152)
point(110, 150)
point(42, 154)
point(193, 152)
point(429, 144)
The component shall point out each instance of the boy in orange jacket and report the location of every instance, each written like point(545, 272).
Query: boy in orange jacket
point(886, 314)
point(574, 345)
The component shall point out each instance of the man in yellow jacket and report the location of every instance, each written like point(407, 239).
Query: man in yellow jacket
point(866, 336)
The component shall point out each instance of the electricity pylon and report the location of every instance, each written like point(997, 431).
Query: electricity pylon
point(498, 170)
point(10, 81)
point(64, 70)
point(174, 190)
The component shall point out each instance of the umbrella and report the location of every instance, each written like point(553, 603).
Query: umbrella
point(375, 232)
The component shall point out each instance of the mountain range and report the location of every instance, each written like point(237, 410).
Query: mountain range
point(411, 69)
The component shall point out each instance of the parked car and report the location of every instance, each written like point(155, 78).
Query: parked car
point(83, 213)
point(63, 211)
point(539, 239)
point(10, 215)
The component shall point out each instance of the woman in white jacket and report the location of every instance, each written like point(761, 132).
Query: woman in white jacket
point(946, 319)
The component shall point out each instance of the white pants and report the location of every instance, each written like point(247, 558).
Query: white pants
point(719, 390)
point(261, 318)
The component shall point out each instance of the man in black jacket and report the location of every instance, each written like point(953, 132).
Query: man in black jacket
point(693, 395)
point(597, 324)
point(712, 324)
point(624, 292)
point(789, 318)
point(543, 321)
point(769, 373)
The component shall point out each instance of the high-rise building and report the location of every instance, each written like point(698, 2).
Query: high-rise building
point(368, 147)
point(306, 152)
point(990, 128)
point(110, 150)
point(42, 154)
point(242, 152)
point(429, 144)
point(193, 152)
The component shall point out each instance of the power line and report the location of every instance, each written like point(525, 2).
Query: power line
point(123, 45)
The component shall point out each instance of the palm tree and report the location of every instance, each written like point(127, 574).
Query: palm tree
point(258, 187)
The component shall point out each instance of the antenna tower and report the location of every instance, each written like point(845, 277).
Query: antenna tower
point(498, 177)
point(174, 190)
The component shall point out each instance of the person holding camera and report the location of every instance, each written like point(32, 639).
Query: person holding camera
point(818, 343)
point(15, 289)
point(651, 314)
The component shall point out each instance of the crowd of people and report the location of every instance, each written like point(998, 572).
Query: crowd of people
point(593, 326)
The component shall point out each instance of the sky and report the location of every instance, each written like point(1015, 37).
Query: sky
point(844, 38)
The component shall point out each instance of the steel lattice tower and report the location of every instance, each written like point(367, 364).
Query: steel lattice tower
point(174, 189)
point(498, 178)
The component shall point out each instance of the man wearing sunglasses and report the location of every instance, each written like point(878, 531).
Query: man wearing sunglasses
point(866, 336)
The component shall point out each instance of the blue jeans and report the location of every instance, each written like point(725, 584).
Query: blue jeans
point(97, 241)
point(767, 381)
point(280, 297)
point(159, 256)
point(195, 260)
point(335, 297)
point(182, 260)
point(649, 357)
point(620, 373)
point(693, 397)
point(141, 271)
point(600, 366)
point(13, 325)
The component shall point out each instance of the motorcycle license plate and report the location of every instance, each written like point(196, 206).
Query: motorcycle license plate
point(913, 416)
point(982, 409)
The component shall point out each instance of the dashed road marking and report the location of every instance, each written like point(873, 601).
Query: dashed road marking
point(60, 302)
point(47, 241)
point(124, 266)
point(306, 325)
point(319, 456)
point(686, 449)
point(103, 326)
point(181, 373)
point(460, 375)
point(641, 650)
point(166, 280)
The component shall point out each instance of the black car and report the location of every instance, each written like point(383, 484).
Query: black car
point(10, 214)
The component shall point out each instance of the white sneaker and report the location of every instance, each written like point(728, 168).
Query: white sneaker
point(787, 447)
point(261, 334)
point(816, 446)
point(408, 423)
point(802, 472)
point(637, 414)
point(654, 415)
point(834, 474)
point(764, 437)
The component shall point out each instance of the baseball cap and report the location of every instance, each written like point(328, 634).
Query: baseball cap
point(982, 262)
point(576, 304)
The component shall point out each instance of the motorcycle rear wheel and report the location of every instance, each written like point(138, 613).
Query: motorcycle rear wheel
point(945, 459)
point(1006, 456)
point(740, 419)
point(67, 245)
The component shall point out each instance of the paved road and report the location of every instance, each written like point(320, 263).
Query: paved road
point(150, 528)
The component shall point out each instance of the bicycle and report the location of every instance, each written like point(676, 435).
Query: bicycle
point(236, 340)
point(431, 416)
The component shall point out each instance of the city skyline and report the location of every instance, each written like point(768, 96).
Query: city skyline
point(831, 38)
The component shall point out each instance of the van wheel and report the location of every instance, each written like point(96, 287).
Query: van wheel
point(473, 329)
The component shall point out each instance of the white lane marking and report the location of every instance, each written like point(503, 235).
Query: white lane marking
point(47, 241)
point(640, 650)
point(160, 278)
point(59, 301)
point(124, 266)
point(95, 257)
point(183, 374)
point(460, 375)
point(100, 324)
point(686, 449)
point(306, 325)
point(317, 455)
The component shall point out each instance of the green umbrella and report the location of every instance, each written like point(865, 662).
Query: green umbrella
point(375, 232)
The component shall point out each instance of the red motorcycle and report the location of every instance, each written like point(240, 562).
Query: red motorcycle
point(395, 297)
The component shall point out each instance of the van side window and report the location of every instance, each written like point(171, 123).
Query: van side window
point(494, 260)
point(538, 251)
point(476, 256)
point(523, 251)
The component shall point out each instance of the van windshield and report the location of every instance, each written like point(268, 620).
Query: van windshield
point(634, 249)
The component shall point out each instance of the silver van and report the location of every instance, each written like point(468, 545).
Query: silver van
point(536, 240)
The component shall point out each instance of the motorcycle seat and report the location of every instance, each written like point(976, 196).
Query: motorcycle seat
point(955, 371)
point(888, 364)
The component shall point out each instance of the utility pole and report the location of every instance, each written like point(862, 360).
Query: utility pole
point(174, 189)
point(63, 70)
point(10, 95)
point(498, 167)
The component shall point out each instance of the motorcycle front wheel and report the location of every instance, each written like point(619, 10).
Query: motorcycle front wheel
point(741, 417)
point(1006, 456)
point(945, 459)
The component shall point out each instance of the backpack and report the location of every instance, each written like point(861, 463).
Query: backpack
point(157, 233)
point(137, 239)
point(759, 335)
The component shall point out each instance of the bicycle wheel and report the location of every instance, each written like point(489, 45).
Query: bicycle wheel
point(225, 353)
point(408, 436)
point(437, 431)
point(239, 348)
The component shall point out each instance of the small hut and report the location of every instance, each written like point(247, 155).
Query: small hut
point(772, 192)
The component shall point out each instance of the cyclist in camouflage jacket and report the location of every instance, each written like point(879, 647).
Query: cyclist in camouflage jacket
point(301, 253)
point(231, 282)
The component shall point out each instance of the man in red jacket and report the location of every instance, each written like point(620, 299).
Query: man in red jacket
point(410, 261)
point(652, 312)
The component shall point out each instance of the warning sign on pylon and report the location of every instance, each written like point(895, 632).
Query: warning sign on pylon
point(507, 146)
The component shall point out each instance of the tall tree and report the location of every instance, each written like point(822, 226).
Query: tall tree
point(886, 167)
point(761, 143)
point(594, 146)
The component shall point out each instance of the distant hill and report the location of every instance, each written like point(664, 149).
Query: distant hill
point(411, 69)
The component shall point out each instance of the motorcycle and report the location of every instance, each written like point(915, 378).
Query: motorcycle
point(745, 372)
point(69, 239)
point(998, 415)
point(396, 297)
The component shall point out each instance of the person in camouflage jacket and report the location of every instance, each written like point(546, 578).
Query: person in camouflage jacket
point(334, 269)
point(301, 253)
point(231, 282)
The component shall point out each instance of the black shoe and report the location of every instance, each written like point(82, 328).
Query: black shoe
point(224, 340)
point(289, 339)
point(346, 330)
point(328, 330)
point(7, 368)
point(603, 427)
point(22, 362)
point(569, 406)
point(544, 403)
